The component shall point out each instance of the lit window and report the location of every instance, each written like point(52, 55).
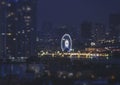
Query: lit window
point(3, 33)
point(23, 31)
point(14, 39)
point(3, 3)
point(28, 8)
point(16, 19)
point(27, 20)
point(12, 13)
point(18, 32)
point(23, 8)
point(7, 48)
point(37, 39)
point(9, 15)
point(9, 25)
point(27, 24)
point(28, 30)
point(9, 5)
point(9, 34)
point(28, 17)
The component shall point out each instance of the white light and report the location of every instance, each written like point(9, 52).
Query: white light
point(3, 33)
point(19, 32)
point(37, 39)
point(92, 44)
point(9, 5)
point(66, 43)
point(9, 34)
point(28, 8)
point(14, 39)
point(23, 31)
point(3, 3)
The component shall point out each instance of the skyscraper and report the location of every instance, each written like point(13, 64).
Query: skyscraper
point(114, 24)
point(19, 27)
point(3, 23)
point(98, 32)
point(86, 30)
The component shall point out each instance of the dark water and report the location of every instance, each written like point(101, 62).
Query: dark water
point(12, 69)
point(59, 71)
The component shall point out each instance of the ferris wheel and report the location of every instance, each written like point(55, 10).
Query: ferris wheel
point(66, 43)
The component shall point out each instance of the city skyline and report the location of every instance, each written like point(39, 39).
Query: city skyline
point(74, 12)
point(20, 21)
point(17, 27)
point(59, 42)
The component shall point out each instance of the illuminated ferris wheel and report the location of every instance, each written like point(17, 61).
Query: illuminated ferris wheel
point(66, 43)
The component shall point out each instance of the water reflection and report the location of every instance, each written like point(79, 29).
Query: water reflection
point(61, 71)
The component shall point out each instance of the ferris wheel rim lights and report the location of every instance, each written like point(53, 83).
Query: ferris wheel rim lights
point(66, 42)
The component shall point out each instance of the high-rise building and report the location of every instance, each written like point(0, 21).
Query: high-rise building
point(3, 23)
point(98, 32)
point(114, 25)
point(86, 30)
point(18, 25)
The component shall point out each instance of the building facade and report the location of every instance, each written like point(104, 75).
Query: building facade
point(114, 25)
point(18, 27)
point(86, 30)
point(98, 32)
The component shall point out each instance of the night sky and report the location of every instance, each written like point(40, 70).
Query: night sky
point(76, 11)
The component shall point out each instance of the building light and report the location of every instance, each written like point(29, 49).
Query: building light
point(12, 13)
point(3, 33)
point(9, 34)
point(8, 15)
point(28, 8)
point(23, 8)
point(37, 39)
point(7, 48)
point(3, 3)
point(28, 30)
point(27, 24)
point(9, 25)
point(32, 28)
point(18, 32)
point(92, 44)
point(14, 39)
point(107, 33)
point(16, 19)
point(28, 17)
point(23, 31)
point(27, 20)
point(9, 5)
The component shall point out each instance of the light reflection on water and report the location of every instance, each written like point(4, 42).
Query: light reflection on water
point(13, 69)
point(29, 72)
point(21, 70)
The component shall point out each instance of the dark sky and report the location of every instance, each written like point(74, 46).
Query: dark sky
point(76, 11)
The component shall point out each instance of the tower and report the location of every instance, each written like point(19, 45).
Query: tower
point(19, 27)
point(86, 30)
point(114, 25)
